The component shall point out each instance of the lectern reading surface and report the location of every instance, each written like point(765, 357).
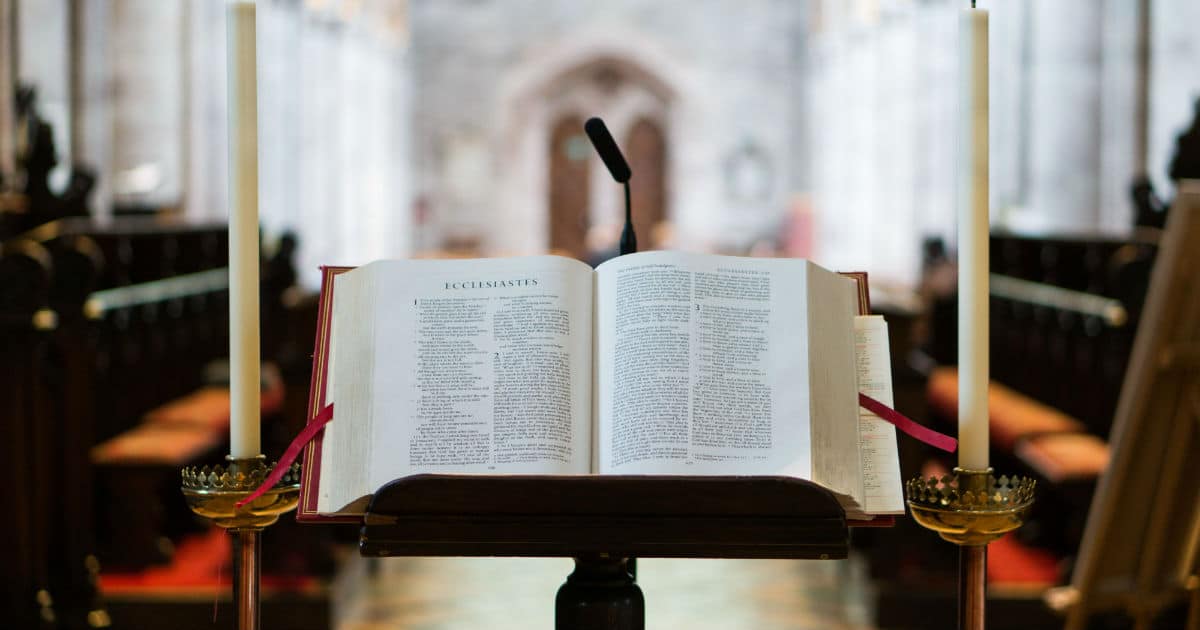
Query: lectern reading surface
point(622, 516)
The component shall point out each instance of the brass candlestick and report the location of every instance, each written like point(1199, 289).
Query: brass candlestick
point(214, 493)
point(971, 508)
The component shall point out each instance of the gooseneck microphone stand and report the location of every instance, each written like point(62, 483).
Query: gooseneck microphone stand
point(611, 155)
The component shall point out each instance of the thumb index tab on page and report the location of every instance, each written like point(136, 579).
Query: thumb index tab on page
point(314, 426)
point(910, 427)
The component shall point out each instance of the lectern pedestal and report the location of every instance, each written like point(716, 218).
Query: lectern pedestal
point(604, 522)
point(600, 593)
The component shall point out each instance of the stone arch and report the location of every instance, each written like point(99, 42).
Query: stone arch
point(576, 77)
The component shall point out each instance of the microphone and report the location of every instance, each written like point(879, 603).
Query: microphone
point(603, 141)
point(607, 148)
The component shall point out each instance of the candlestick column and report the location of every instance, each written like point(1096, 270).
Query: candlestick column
point(972, 508)
point(973, 242)
point(243, 234)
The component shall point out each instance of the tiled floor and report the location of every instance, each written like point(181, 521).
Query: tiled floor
point(512, 593)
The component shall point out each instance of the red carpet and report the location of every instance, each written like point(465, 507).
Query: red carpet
point(201, 565)
point(1010, 562)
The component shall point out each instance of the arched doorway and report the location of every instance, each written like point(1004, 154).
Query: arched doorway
point(568, 154)
point(647, 155)
point(620, 78)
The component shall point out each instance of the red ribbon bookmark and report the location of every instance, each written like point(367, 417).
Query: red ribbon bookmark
point(922, 433)
point(314, 426)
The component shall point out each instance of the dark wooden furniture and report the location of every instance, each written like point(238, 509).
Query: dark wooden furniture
point(101, 323)
point(604, 522)
point(1064, 310)
point(75, 372)
point(29, 472)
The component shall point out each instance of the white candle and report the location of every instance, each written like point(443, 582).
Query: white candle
point(243, 233)
point(973, 241)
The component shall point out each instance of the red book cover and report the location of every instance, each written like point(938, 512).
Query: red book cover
point(310, 480)
point(864, 295)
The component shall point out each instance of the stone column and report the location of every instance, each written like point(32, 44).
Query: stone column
point(147, 63)
point(1174, 82)
point(8, 144)
point(43, 60)
point(1119, 159)
point(1065, 115)
point(204, 88)
point(91, 98)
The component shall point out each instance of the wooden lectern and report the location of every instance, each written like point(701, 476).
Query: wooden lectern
point(604, 523)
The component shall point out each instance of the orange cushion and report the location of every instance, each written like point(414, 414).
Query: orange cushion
point(205, 407)
point(183, 429)
point(1012, 415)
point(150, 444)
point(209, 406)
point(1065, 456)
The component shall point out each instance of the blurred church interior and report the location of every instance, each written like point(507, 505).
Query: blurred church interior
point(820, 129)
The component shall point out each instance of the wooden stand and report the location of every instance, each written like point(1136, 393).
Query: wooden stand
point(604, 522)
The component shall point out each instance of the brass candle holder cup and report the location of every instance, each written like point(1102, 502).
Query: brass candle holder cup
point(214, 493)
point(970, 507)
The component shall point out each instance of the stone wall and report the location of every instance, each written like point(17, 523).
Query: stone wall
point(486, 70)
point(373, 113)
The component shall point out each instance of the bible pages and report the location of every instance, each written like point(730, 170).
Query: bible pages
point(653, 363)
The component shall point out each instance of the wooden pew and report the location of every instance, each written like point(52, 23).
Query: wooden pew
point(108, 330)
point(1064, 312)
point(1063, 315)
point(63, 394)
point(26, 454)
point(153, 340)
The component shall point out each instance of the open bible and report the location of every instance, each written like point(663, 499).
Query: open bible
point(659, 363)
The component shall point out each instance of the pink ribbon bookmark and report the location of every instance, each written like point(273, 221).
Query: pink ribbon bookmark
point(922, 433)
point(315, 426)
